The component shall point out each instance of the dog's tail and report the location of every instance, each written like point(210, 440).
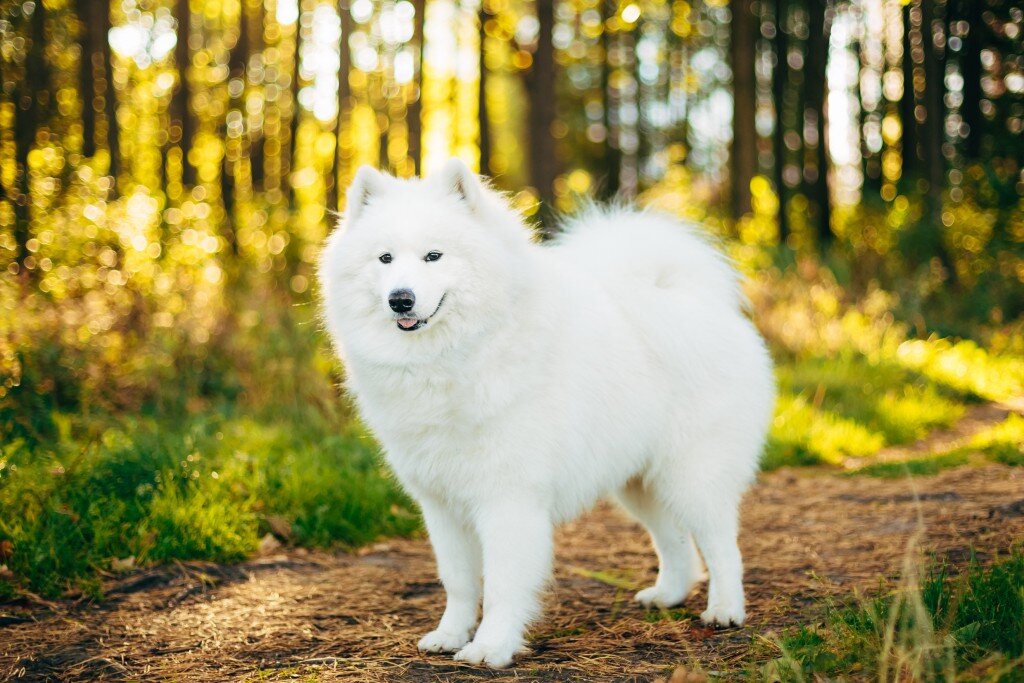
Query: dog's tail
point(633, 247)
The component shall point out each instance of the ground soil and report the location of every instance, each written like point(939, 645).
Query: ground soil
point(806, 534)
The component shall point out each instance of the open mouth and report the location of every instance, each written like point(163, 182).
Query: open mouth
point(410, 324)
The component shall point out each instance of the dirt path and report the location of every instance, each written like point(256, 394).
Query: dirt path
point(345, 617)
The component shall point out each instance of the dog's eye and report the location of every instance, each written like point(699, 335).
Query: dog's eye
point(432, 256)
point(384, 258)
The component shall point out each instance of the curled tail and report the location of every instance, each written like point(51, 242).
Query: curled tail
point(630, 247)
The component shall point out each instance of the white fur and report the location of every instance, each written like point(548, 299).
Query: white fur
point(614, 360)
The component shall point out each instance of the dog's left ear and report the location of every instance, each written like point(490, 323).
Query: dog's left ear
point(456, 178)
point(367, 183)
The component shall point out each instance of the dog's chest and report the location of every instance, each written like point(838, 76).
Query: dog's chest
point(440, 431)
point(417, 412)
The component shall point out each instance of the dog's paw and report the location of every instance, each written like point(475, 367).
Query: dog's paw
point(658, 596)
point(723, 615)
point(494, 655)
point(443, 641)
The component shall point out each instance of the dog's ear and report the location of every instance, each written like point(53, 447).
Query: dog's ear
point(456, 178)
point(367, 183)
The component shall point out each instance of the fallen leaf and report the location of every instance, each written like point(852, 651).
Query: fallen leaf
point(682, 675)
point(125, 564)
point(280, 527)
point(269, 544)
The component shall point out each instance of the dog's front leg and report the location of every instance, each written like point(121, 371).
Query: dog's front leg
point(516, 539)
point(458, 566)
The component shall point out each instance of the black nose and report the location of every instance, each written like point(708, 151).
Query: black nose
point(401, 300)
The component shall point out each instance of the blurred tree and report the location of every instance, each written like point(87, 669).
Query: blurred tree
point(933, 117)
point(31, 105)
point(816, 174)
point(96, 80)
point(238, 57)
point(933, 113)
point(540, 84)
point(780, 74)
point(256, 138)
point(912, 76)
point(182, 126)
point(86, 77)
point(344, 95)
point(415, 114)
point(971, 11)
point(484, 115)
point(295, 112)
point(744, 139)
point(612, 153)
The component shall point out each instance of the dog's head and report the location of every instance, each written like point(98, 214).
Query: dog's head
point(419, 266)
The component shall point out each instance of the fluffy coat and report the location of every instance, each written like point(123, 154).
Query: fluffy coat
point(530, 380)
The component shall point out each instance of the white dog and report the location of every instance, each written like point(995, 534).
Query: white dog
point(513, 384)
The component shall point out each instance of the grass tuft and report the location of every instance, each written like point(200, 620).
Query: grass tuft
point(968, 626)
point(205, 487)
point(1003, 443)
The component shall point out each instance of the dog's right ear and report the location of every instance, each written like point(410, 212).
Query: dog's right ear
point(456, 178)
point(367, 183)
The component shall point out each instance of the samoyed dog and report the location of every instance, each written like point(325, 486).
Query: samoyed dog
point(512, 384)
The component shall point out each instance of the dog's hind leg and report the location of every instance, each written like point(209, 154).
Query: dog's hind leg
point(703, 491)
point(715, 532)
point(678, 563)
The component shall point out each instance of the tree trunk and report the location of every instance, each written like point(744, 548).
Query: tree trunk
point(613, 156)
point(94, 16)
point(629, 101)
point(344, 65)
point(540, 86)
point(912, 42)
point(971, 68)
point(932, 132)
point(181, 116)
point(743, 155)
point(779, 79)
point(934, 95)
point(416, 106)
point(256, 45)
point(103, 26)
point(383, 160)
point(483, 115)
point(293, 125)
point(85, 9)
point(237, 59)
point(817, 98)
point(871, 167)
point(32, 96)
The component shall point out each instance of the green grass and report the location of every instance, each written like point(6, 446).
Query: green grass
point(831, 408)
point(1003, 443)
point(965, 366)
point(303, 674)
point(653, 616)
point(205, 487)
point(913, 467)
point(964, 627)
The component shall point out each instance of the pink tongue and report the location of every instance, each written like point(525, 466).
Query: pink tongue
point(406, 323)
